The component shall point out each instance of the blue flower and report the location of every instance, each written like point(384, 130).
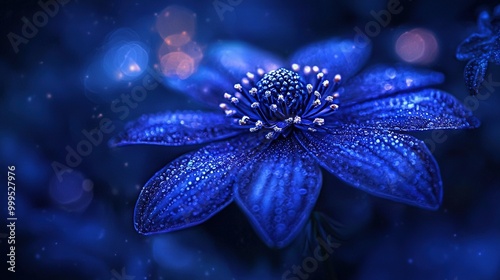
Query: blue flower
point(481, 48)
point(275, 127)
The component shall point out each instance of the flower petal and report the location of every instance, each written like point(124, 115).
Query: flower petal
point(382, 80)
point(235, 59)
point(278, 190)
point(474, 74)
point(206, 86)
point(338, 56)
point(484, 23)
point(474, 46)
point(176, 129)
point(385, 164)
point(191, 189)
point(423, 110)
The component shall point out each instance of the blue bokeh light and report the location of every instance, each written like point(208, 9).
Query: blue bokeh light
point(126, 61)
point(122, 59)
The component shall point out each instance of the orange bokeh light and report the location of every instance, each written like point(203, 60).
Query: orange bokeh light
point(176, 20)
point(178, 40)
point(179, 55)
point(417, 46)
point(177, 65)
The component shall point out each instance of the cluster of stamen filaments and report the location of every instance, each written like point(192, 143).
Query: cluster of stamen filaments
point(275, 102)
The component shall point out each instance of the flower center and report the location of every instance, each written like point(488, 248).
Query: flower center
point(278, 101)
point(282, 86)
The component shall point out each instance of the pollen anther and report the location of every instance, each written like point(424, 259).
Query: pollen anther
point(309, 88)
point(334, 106)
point(319, 121)
point(244, 120)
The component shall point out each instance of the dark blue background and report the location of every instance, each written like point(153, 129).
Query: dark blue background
point(82, 228)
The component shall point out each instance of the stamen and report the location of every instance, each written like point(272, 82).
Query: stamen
point(317, 94)
point(334, 106)
point(267, 93)
point(289, 120)
point(307, 70)
point(337, 78)
point(329, 99)
point(260, 72)
point(223, 106)
point(278, 129)
point(253, 91)
point(244, 120)
point(234, 100)
point(311, 129)
point(229, 112)
point(255, 105)
point(319, 76)
point(319, 121)
point(295, 67)
point(258, 124)
point(281, 97)
point(326, 83)
point(316, 103)
point(250, 76)
point(315, 69)
point(227, 95)
point(309, 88)
point(270, 135)
point(238, 87)
point(297, 120)
point(273, 107)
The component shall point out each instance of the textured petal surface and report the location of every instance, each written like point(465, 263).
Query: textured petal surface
point(278, 191)
point(474, 46)
point(235, 59)
point(175, 129)
point(423, 110)
point(191, 189)
point(474, 74)
point(382, 80)
point(206, 86)
point(394, 166)
point(338, 56)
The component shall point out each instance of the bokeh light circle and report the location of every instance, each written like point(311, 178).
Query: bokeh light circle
point(417, 46)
